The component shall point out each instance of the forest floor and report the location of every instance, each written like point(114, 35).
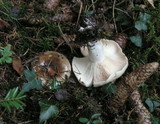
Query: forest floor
point(29, 28)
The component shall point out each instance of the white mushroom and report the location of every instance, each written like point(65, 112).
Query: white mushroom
point(104, 62)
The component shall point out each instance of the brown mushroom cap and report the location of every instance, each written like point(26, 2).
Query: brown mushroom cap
point(52, 65)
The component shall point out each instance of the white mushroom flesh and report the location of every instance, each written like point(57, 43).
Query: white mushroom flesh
point(104, 63)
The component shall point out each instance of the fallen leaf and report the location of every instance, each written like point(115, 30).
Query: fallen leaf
point(17, 66)
point(47, 111)
point(3, 24)
point(51, 4)
point(151, 2)
point(62, 18)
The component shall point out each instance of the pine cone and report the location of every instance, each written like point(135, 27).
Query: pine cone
point(130, 83)
point(141, 74)
point(140, 109)
point(121, 39)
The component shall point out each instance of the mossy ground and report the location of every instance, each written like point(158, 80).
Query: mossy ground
point(29, 38)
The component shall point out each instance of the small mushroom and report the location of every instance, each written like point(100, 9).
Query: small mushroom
point(104, 62)
point(52, 65)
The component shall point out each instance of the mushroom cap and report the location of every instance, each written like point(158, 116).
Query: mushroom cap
point(104, 63)
point(51, 65)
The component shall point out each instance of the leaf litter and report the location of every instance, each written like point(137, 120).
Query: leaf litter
point(39, 27)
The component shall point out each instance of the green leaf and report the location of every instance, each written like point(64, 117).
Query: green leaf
point(144, 17)
point(55, 85)
point(152, 104)
point(5, 52)
point(47, 111)
point(155, 120)
point(109, 88)
point(96, 115)
point(122, 19)
point(29, 75)
point(97, 122)
point(139, 25)
point(33, 82)
point(90, 12)
point(83, 120)
point(13, 99)
point(156, 103)
point(137, 40)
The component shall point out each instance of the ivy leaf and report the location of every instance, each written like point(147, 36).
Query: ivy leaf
point(152, 104)
point(139, 25)
point(29, 75)
point(33, 82)
point(96, 115)
point(90, 12)
point(47, 111)
point(109, 88)
point(144, 17)
point(97, 122)
point(137, 40)
point(156, 103)
point(123, 19)
point(83, 120)
point(155, 120)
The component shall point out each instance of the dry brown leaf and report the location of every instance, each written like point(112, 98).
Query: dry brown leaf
point(151, 2)
point(51, 4)
point(64, 9)
point(3, 24)
point(17, 66)
point(62, 18)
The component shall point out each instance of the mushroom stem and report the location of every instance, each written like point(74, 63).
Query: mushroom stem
point(130, 83)
point(95, 56)
point(104, 62)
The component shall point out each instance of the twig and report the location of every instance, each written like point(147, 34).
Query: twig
point(113, 13)
point(80, 11)
point(26, 122)
point(123, 12)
